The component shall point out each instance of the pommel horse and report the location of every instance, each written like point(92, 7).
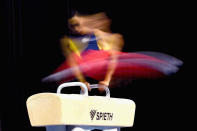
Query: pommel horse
point(79, 112)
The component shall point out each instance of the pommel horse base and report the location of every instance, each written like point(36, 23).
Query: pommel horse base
point(79, 112)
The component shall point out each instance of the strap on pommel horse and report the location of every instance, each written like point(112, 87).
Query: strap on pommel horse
point(79, 112)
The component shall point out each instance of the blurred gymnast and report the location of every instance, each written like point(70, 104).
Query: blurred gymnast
point(94, 34)
point(96, 53)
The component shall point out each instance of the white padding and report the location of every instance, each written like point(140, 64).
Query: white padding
point(75, 109)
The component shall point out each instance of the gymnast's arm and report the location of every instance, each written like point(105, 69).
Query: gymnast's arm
point(115, 43)
point(68, 53)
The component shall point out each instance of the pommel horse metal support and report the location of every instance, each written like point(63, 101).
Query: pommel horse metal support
point(79, 112)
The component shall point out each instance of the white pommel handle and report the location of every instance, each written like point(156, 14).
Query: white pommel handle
point(104, 87)
point(84, 91)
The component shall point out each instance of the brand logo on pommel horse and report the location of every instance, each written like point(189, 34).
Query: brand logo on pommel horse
point(92, 114)
point(101, 115)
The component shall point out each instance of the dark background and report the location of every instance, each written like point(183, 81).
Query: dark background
point(31, 33)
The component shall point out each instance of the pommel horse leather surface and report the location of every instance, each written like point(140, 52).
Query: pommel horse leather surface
point(75, 109)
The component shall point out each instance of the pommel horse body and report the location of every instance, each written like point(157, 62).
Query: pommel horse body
point(79, 112)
